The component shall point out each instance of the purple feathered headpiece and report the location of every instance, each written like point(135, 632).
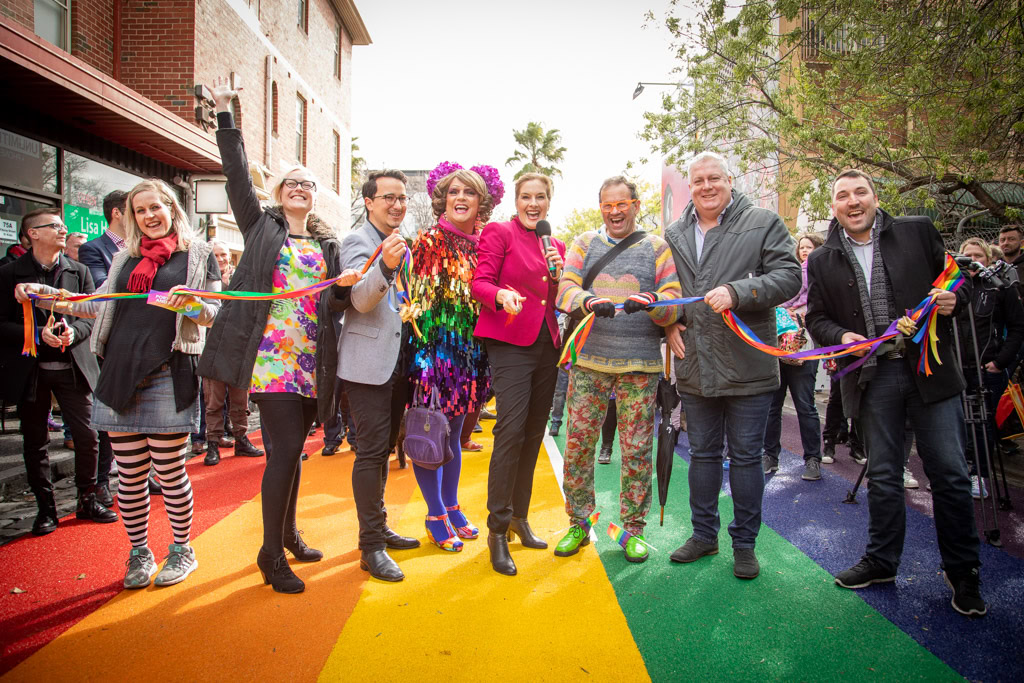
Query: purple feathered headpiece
point(492, 179)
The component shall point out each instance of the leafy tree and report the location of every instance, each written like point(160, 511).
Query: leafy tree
point(928, 97)
point(540, 150)
point(578, 222)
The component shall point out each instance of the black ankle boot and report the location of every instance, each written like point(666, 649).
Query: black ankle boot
point(297, 547)
point(246, 448)
point(92, 510)
point(278, 574)
point(521, 528)
point(212, 453)
point(46, 519)
point(501, 560)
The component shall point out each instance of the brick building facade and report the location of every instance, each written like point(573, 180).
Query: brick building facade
point(104, 93)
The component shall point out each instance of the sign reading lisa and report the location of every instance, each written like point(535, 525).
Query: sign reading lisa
point(162, 299)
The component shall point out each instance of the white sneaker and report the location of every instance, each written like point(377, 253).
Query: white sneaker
point(827, 460)
point(908, 479)
point(978, 489)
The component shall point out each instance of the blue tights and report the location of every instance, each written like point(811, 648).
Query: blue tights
point(440, 487)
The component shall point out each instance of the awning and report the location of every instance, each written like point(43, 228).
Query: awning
point(37, 76)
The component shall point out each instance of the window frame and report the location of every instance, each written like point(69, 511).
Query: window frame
point(65, 25)
point(339, 37)
point(301, 111)
point(304, 16)
point(336, 163)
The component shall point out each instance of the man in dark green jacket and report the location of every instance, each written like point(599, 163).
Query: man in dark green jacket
point(738, 257)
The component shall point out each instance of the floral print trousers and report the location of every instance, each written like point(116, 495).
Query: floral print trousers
point(587, 399)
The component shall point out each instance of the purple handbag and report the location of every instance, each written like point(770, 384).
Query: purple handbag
point(426, 433)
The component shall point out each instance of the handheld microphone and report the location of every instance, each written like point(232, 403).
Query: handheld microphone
point(543, 231)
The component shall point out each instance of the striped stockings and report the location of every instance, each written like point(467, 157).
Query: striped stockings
point(134, 453)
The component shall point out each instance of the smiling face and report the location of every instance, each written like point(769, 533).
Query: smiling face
point(462, 203)
point(152, 215)
point(47, 233)
point(619, 222)
point(532, 203)
point(223, 257)
point(710, 187)
point(854, 205)
point(386, 216)
point(296, 200)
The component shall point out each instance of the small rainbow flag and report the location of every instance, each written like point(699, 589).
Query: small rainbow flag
point(618, 534)
point(590, 521)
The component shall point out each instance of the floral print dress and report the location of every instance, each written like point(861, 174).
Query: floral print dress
point(286, 360)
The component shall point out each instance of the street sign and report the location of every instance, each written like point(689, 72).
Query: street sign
point(86, 220)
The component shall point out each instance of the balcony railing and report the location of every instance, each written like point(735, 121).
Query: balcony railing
point(838, 41)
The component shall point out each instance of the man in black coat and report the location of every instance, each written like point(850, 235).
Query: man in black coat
point(64, 367)
point(873, 268)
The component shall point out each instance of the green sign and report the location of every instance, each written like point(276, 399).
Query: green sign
point(86, 220)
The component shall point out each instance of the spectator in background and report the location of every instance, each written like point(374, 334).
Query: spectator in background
point(64, 367)
point(219, 397)
point(74, 242)
point(798, 377)
point(1010, 244)
point(16, 251)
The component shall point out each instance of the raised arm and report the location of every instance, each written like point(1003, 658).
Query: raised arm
point(245, 205)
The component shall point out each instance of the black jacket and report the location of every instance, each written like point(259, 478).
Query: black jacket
point(913, 254)
point(19, 372)
point(233, 342)
point(995, 310)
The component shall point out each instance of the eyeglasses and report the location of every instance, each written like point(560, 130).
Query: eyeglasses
point(56, 226)
point(390, 199)
point(608, 207)
point(307, 185)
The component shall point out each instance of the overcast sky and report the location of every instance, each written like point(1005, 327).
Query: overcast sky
point(450, 81)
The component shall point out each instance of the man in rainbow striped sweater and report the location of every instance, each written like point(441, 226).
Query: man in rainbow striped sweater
point(622, 355)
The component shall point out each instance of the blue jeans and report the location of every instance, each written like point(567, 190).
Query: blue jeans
point(709, 421)
point(889, 399)
point(799, 379)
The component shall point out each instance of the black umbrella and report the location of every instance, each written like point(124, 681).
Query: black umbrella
point(668, 436)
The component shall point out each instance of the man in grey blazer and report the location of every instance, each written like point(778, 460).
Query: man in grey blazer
point(368, 363)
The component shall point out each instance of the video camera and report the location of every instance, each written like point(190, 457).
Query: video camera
point(999, 275)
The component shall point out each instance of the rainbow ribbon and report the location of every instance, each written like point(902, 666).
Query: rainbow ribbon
point(30, 343)
point(949, 279)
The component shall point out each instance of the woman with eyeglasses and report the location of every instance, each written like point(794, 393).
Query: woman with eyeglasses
point(284, 350)
point(449, 364)
point(516, 288)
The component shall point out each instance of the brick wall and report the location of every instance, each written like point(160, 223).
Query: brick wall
point(226, 43)
point(92, 33)
point(158, 53)
point(21, 11)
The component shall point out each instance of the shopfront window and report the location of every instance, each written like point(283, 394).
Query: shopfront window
point(86, 183)
point(26, 163)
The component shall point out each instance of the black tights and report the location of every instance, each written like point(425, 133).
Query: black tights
point(285, 420)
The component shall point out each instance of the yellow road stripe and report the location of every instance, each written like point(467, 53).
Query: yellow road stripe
point(454, 618)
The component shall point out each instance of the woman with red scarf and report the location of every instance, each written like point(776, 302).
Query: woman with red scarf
point(147, 393)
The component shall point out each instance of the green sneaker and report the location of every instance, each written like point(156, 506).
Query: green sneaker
point(572, 541)
point(181, 561)
point(141, 568)
point(636, 549)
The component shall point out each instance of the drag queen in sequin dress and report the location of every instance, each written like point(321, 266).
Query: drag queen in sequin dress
point(448, 362)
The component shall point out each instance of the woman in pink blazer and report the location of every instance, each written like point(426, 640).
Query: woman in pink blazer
point(516, 290)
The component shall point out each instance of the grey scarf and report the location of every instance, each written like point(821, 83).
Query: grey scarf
point(877, 303)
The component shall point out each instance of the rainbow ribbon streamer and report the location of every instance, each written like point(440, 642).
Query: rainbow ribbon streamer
point(949, 279)
point(30, 343)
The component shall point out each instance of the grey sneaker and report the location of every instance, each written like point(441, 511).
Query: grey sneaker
point(694, 550)
point(745, 565)
point(181, 561)
point(769, 464)
point(141, 568)
point(812, 470)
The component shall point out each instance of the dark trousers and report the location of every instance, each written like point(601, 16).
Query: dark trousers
point(285, 420)
point(220, 396)
point(558, 403)
point(377, 410)
point(890, 399)
point(799, 381)
point(835, 429)
point(75, 400)
point(611, 421)
point(200, 436)
point(524, 383)
point(341, 422)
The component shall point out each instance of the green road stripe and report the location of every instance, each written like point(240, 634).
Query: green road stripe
point(698, 621)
